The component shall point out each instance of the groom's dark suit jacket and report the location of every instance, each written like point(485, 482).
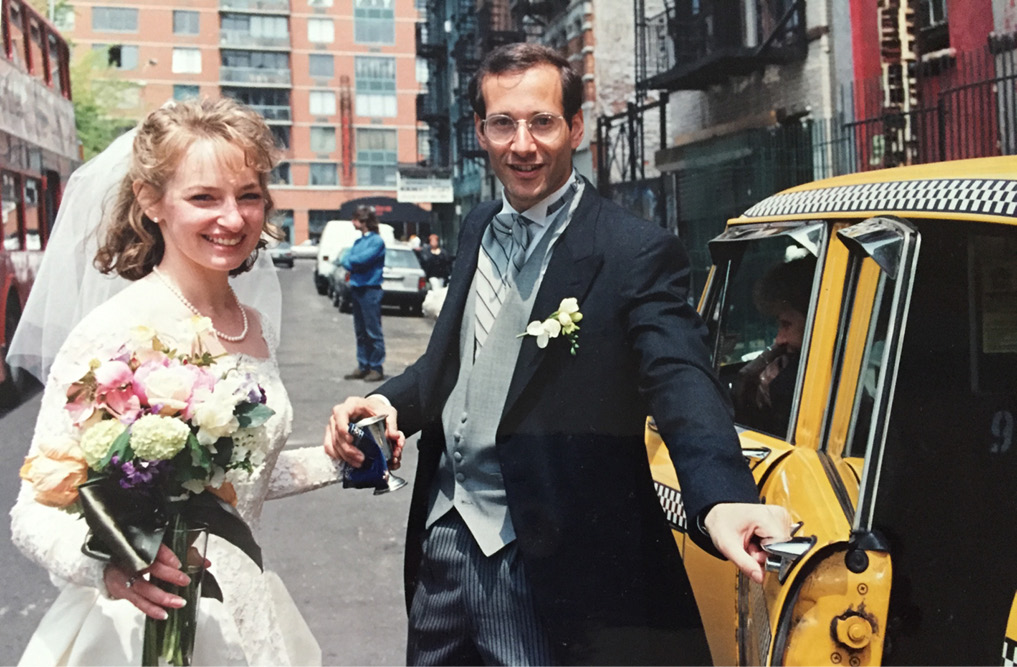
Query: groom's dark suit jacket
point(597, 549)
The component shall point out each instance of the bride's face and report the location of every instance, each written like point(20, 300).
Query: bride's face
point(213, 209)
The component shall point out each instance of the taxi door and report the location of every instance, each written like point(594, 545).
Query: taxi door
point(793, 395)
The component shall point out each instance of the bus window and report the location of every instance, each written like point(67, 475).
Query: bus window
point(17, 35)
point(36, 48)
point(33, 214)
point(56, 57)
point(10, 200)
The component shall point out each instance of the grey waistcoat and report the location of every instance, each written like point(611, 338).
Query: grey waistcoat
point(469, 476)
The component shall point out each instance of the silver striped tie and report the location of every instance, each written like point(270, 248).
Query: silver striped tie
point(504, 253)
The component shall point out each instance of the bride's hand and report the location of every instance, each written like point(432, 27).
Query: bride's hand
point(144, 594)
point(338, 441)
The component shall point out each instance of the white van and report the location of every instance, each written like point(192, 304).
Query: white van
point(336, 237)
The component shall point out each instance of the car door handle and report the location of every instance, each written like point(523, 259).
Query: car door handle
point(755, 454)
point(782, 556)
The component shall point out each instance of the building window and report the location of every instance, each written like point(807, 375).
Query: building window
point(375, 86)
point(324, 173)
point(114, 19)
point(316, 221)
point(185, 22)
point(373, 22)
point(322, 65)
point(266, 61)
point(320, 31)
point(423, 71)
point(322, 103)
point(933, 32)
point(322, 139)
point(319, 3)
point(274, 28)
point(271, 103)
point(181, 92)
point(282, 136)
point(376, 157)
point(186, 61)
point(119, 56)
point(281, 175)
point(424, 145)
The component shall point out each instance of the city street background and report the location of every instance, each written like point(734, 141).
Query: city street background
point(338, 551)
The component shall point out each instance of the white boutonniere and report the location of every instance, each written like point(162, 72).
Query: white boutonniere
point(565, 321)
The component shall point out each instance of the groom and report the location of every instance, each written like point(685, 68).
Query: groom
point(535, 535)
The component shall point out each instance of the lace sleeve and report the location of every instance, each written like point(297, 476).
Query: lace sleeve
point(302, 469)
point(49, 536)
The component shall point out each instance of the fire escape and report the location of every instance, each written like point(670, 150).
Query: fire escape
point(432, 106)
point(466, 55)
point(700, 43)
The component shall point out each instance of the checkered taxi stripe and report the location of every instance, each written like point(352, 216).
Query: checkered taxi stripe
point(1009, 652)
point(674, 508)
point(943, 195)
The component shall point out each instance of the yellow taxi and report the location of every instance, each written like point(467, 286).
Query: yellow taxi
point(867, 328)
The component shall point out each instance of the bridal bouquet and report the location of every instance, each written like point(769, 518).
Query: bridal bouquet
point(159, 433)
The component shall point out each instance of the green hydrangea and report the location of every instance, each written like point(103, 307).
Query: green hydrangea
point(97, 440)
point(158, 438)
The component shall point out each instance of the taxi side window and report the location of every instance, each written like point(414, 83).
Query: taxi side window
point(758, 314)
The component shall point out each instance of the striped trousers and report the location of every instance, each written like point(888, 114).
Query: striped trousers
point(472, 609)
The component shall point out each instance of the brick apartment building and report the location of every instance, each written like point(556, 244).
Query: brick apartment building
point(337, 80)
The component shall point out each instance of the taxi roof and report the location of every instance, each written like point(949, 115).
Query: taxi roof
point(982, 189)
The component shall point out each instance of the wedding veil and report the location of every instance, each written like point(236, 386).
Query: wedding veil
point(68, 285)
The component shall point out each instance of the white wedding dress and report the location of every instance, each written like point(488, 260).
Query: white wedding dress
point(257, 623)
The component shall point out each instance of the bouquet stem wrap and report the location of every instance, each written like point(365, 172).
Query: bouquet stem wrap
point(173, 639)
point(127, 529)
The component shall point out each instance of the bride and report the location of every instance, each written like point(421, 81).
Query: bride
point(190, 213)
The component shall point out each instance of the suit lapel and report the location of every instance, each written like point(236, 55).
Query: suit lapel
point(450, 328)
point(573, 266)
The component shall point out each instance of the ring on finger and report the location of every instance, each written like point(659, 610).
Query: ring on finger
point(130, 580)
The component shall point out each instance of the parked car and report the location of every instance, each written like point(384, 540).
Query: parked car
point(281, 254)
point(404, 282)
point(896, 454)
point(307, 249)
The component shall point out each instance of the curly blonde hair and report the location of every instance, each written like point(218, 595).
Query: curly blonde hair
point(133, 243)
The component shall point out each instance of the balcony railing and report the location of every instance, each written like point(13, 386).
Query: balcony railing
point(245, 39)
point(496, 27)
point(255, 75)
point(429, 45)
point(429, 109)
point(466, 137)
point(272, 111)
point(268, 6)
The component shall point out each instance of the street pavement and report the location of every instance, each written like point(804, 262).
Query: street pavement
point(339, 551)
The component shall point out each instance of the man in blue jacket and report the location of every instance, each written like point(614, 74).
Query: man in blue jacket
point(366, 262)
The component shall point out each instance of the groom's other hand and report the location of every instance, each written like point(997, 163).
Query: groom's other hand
point(739, 531)
point(338, 441)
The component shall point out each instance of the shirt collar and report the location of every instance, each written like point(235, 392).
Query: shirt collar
point(538, 212)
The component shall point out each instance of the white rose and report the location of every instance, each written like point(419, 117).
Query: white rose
point(169, 387)
point(213, 414)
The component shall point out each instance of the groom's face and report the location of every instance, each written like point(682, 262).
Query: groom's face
point(528, 168)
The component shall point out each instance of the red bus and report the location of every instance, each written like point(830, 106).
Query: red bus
point(38, 151)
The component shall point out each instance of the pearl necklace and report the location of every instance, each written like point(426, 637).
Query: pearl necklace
point(190, 306)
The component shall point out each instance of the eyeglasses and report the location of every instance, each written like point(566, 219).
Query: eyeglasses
point(501, 129)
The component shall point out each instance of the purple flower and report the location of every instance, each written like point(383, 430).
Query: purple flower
point(139, 474)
